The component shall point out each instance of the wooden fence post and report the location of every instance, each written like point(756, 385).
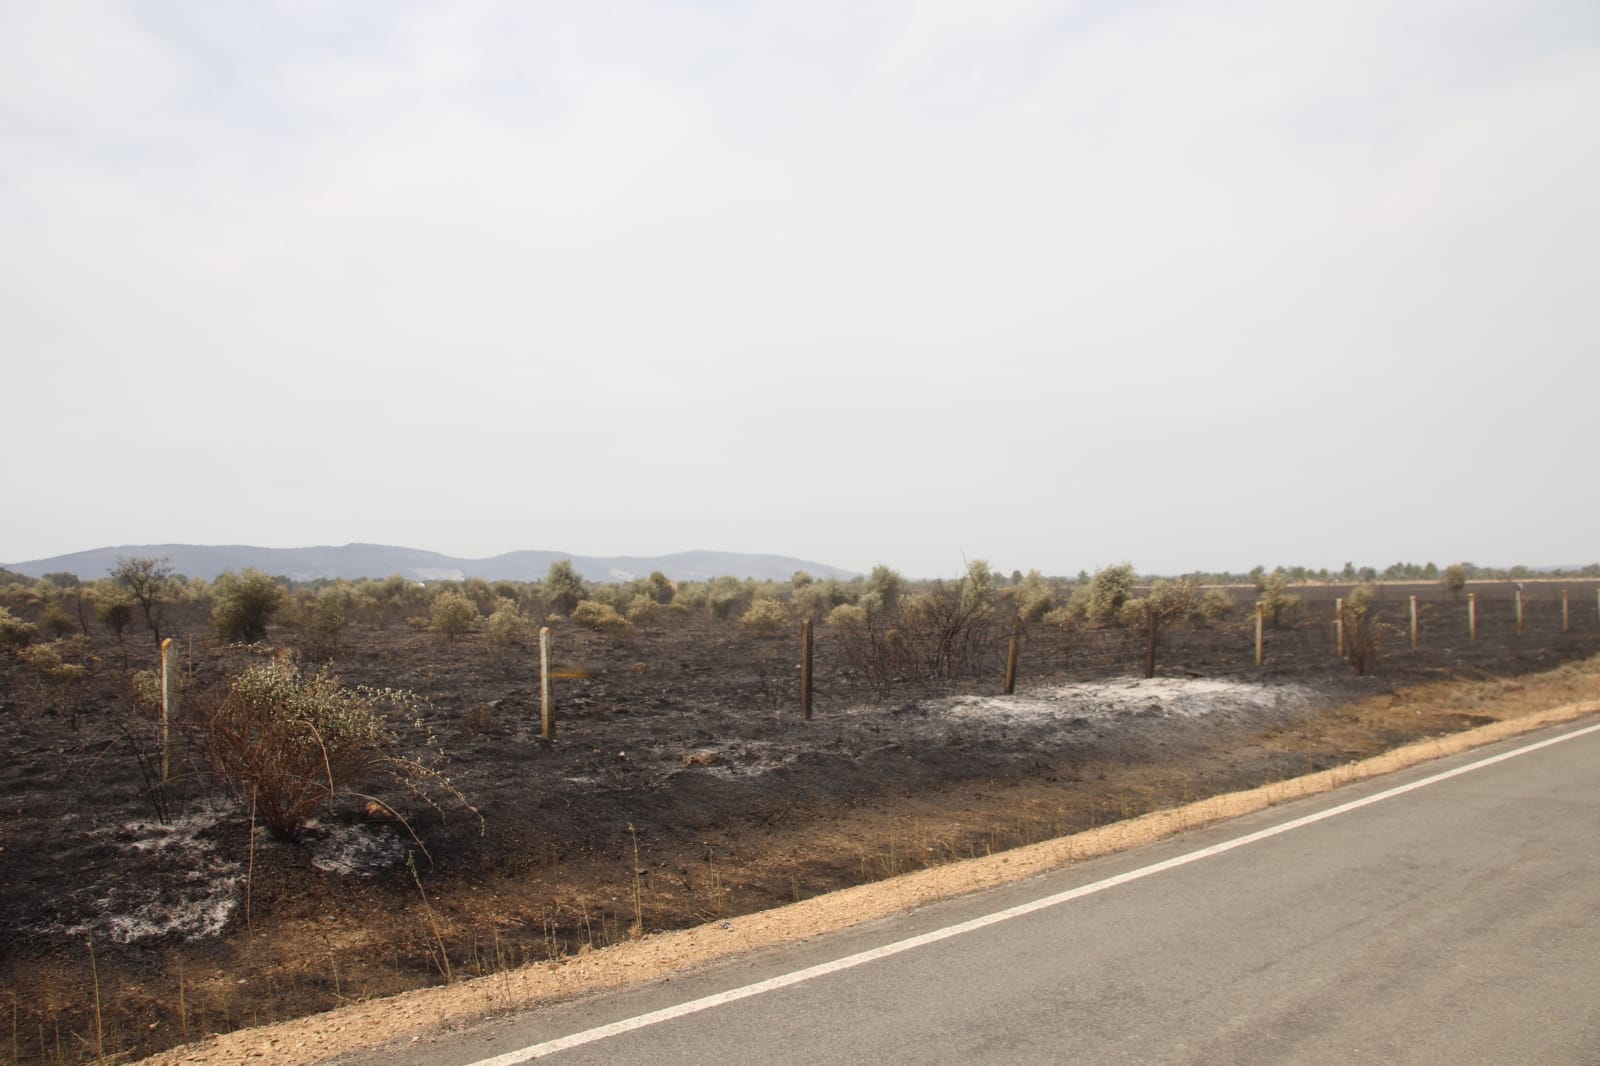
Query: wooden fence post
point(547, 703)
point(1472, 616)
point(169, 706)
point(1413, 623)
point(1566, 613)
point(1519, 612)
point(805, 669)
point(1011, 654)
point(1261, 612)
point(1338, 624)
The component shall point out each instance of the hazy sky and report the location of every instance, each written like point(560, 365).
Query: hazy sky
point(1195, 285)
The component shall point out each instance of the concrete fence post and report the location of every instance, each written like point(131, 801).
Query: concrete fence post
point(547, 702)
point(805, 669)
point(169, 706)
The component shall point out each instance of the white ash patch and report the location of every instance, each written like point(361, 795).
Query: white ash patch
point(195, 898)
point(354, 849)
point(747, 758)
point(1179, 697)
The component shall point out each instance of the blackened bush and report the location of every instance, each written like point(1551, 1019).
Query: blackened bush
point(288, 744)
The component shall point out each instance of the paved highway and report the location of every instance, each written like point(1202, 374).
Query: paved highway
point(1456, 920)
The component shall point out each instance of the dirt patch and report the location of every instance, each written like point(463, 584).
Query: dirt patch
point(682, 790)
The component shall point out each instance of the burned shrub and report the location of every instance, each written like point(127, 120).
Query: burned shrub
point(288, 744)
point(937, 635)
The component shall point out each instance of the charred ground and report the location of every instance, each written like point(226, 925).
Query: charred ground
point(682, 786)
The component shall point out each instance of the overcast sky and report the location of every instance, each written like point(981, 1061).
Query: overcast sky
point(1057, 285)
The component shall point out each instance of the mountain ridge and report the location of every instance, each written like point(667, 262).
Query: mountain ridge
point(361, 560)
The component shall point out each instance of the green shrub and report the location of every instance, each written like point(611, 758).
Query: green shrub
point(246, 604)
point(642, 608)
point(725, 596)
point(1168, 601)
point(886, 585)
point(977, 588)
point(115, 613)
point(563, 588)
point(46, 661)
point(1108, 590)
point(329, 615)
point(1061, 618)
point(661, 590)
point(811, 601)
point(1033, 597)
point(56, 622)
point(482, 595)
point(1274, 597)
point(602, 617)
point(765, 616)
point(14, 632)
point(1215, 605)
point(691, 596)
point(1364, 632)
point(507, 626)
point(848, 616)
point(453, 614)
point(144, 689)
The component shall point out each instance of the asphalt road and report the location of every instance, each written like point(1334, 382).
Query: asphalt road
point(1457, 922)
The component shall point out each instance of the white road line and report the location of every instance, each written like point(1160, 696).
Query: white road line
point(627, 1025)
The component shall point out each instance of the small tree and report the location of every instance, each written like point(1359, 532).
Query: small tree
point(563, 588)
point(1108, 590)
point(147, 581)
point(885, 586)
point(1274, 597)
point(453, 614)
point(1363, 630)
point(1455, 578)
point(115, 609)
point(246, 604)
point(1033, 596)
point(1167, 602)
point(977, 588)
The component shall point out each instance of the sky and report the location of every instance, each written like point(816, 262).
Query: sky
point(1195, 285)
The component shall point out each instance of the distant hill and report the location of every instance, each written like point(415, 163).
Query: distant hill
point(352, 561)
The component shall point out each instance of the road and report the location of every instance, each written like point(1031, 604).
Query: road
point(1457, 922)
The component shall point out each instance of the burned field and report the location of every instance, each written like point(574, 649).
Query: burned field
point(682, 786)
